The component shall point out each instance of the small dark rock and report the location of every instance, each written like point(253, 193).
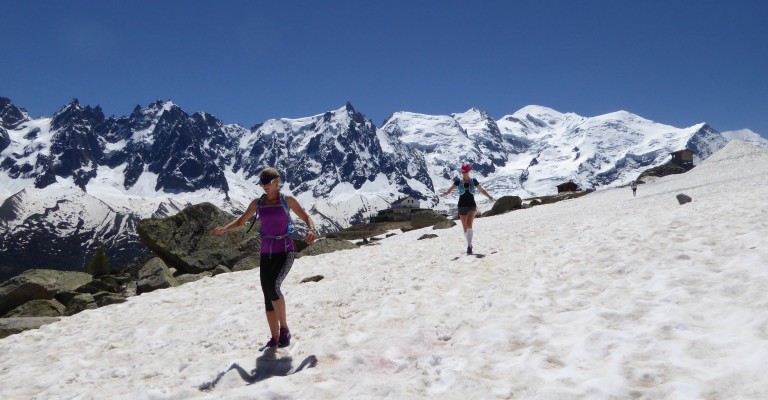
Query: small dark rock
point(220, 269)
point(683, 198)
point(315, 278)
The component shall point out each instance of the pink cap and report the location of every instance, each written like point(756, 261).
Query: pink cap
point(465, 167)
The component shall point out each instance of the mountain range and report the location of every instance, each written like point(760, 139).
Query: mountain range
point(79, 178)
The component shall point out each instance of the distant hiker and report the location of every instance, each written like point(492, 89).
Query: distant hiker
point(633, 186)
point(467, 206)
point(277, 249)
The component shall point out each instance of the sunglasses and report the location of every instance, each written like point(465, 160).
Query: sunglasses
point(267, 181)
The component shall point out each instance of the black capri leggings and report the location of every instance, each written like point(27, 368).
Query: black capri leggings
point(273, 268)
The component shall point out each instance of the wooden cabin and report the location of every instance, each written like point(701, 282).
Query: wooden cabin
point(567, 187)
point(683, 158)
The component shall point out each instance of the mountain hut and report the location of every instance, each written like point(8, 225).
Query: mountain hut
point(400, 210)
point(567, 187)
point(683, 158)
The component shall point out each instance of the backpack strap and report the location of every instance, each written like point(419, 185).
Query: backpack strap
point(459, 185)
point(288, 213)
point(258, 207)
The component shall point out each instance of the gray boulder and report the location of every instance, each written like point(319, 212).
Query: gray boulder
point(11, 326)
point(130, 289)
point(97, 285)
point(246, 264)
point(81, 302)
point(35, 284)
point(220, 269)
point(444, 225)
point(184, 241)
point(505, 204)
point(186, 278)
point(155, 275)
point(66, 297)
point(37, 308)
point(423, 219)
point(105, 298)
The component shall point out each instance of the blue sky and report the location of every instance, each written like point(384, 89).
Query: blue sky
point(675, 62)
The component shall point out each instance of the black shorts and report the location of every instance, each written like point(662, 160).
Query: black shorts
point(466, 210)
point(273, 268)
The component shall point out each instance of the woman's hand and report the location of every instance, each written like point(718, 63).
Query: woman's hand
point(218, 230)
point(310, 236)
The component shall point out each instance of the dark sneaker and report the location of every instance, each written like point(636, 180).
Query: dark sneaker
point(272, 343)
point(469, 249)
point(285, 337)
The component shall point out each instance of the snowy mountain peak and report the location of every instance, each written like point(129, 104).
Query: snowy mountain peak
point(746, 135)
point(539, 112)
point(341, 167)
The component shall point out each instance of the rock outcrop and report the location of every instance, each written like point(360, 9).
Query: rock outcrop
point(184, 241)
point(423, 219)
point(38, 284)
point(505, 204)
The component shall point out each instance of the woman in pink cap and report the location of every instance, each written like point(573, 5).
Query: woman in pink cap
point(468, 187)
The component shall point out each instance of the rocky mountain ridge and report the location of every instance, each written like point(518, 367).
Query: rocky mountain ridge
point(79, 177)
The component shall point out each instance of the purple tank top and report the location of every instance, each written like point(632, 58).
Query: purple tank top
point(274, 222)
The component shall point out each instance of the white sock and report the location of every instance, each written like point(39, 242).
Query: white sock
point(468, 234)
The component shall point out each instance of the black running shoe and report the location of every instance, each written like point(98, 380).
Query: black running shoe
point(272, 343)
point(469, 249)
point(285, 337)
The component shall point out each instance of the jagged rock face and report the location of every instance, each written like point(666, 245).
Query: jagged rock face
point(318, 153)
point(10, 116)
point(75, 147)
point(187, 153)
point(5, 140)
point(705, 142)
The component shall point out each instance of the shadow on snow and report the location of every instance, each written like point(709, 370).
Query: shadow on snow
point(267, 366)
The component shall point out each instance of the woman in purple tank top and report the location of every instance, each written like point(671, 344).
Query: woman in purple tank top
point(277, 249)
